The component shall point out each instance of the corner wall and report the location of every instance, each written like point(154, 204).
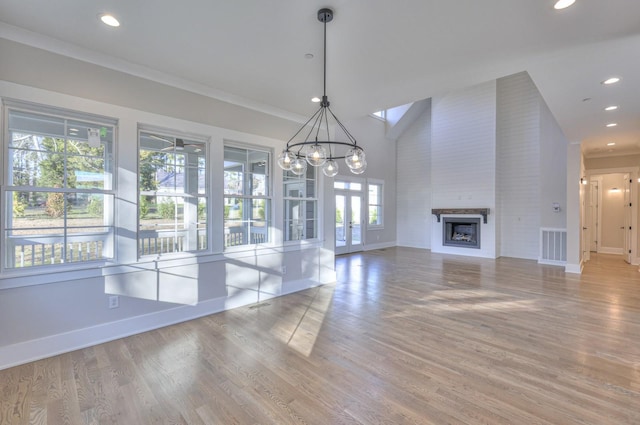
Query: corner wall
point(413, 190)
point(518, 166)
point(495, 145)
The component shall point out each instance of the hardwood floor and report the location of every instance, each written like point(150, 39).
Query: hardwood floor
point(404, 337)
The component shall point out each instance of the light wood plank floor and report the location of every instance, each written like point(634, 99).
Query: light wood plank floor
point(404, 337)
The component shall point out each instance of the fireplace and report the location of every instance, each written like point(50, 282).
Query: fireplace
point(461, 232)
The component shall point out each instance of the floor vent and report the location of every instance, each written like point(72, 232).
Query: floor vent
point(553, 246)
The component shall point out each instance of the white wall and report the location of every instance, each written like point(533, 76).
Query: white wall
point(628, 163)
point(495, 145)
point(381, 166)
point(44, 313)
point(414, 184)
point(27, 65)
point(619, 161)
point(518, 166)
point(612, 213)
point(553, 165)
point(463, 160)
point(573, 216)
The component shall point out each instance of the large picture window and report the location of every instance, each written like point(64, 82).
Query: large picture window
point(300, 205)
point(173, 203)
point(59, 198)
point(247, 199)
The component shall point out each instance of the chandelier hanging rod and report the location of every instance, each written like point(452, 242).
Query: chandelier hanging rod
point(314, 151)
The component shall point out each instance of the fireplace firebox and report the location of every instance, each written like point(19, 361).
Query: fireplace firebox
point(461, 232)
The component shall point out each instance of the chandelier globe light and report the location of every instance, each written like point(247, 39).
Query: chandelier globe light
point(317, 148)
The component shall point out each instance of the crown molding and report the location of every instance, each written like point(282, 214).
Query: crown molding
point(33, 39)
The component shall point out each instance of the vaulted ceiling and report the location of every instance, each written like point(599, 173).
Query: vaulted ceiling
point(380, 53)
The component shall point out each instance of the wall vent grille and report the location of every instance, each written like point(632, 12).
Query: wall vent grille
point(553, 246)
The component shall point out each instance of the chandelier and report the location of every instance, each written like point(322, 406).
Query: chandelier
point(317, 148)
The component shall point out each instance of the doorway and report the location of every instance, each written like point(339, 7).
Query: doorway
point(610, 214)
point(348, 220)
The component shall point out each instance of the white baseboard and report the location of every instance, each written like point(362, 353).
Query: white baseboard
point(28, 351)
point(573, 268)
point(609, 250)
point(551, 262)
point(371, 247)
point(407, 245)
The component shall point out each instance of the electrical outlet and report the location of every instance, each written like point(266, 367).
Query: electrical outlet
point(284, 269)
point(114, 301)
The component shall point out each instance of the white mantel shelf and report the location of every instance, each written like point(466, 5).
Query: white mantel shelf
point(484, 212)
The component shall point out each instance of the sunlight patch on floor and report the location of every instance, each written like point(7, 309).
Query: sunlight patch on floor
point(300, 328)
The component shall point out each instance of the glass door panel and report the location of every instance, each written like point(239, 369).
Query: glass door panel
point(348, 222)
point(356, 220)
point(341, 213)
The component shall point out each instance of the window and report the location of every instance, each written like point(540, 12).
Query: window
point(59, 198)
point(375, 204)
point(173, 203)
point(345, 185)
point(300, 205)
point(381, 114)
point(246, 196)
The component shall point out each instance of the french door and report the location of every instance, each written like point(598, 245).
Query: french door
point(349, 222)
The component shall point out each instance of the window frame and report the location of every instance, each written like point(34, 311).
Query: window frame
point(68, 117)
point(380, 115)
point(187, 137)
point(249, 198)
point(379, 206)
point(288, 177)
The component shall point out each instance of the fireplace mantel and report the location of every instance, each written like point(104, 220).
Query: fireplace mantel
point(484, 212)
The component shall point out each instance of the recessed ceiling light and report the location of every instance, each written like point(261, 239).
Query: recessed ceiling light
point(611, 108)
point(611, 144)
point(563, 4)
point(612, 124)
point(109, 19)
point(315, 99)
point(611, 80)
point(308, 56)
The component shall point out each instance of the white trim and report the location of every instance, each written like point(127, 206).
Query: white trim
point(380, 183)
point(36, 349)
point(405, 245)
point(573, 268)
point(596, 174)
point(381, 245)
point(33, 39)
point(551, 262)
point(610, 250)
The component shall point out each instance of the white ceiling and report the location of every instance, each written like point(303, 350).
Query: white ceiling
point(380, 53)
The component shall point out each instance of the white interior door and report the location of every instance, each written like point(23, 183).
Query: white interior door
point(349, 222)
point(584, 211)
point(626, 245)
point(593, 215)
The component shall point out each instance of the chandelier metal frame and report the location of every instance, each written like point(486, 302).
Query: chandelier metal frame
point(318, 152)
